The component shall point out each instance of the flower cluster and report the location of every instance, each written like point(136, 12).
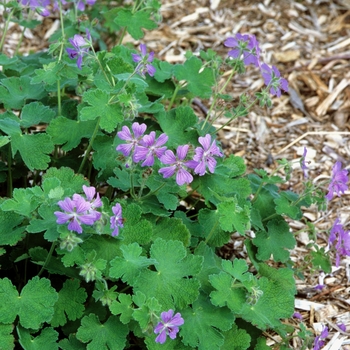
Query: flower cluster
point(340, 239)
point(168, 326)
point(148, 147)
point(143, 62)
point(338, 182)
point(79, 210)
point(80, 47)
point(246, 47)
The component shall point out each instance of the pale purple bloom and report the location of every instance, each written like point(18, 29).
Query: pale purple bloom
point(245, 44)
point(94, 202)
point(168, 326)
point(116, 220)
point(303, 163)
point(272, 78)
point(340, 239)
point(39, 6)
point(297, 315)
point(75, 212)
point(342, 326)
point(149, 147)
point(144, 61)
point(204, 156)
point(320, 339)
point(319, 287)
point(178, 165)
point(81, 4)
point(338, 182)
point(81, 47)
point(132, 140)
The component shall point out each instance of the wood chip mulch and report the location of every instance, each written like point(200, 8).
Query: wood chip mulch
point(309, 42)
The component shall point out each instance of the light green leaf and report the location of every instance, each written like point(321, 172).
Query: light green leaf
point(46, 340)
point(204, 323)
point(15, 91)
point(124, 307)
point(9, 233)
point(130, 265)
point(35, 112)
point(236, 339)
point(100, 106)
point(275, 241)
point(170, 282)
point(7, 340)
point(199, 81)
point(70, 302)
point(135, 21)
point(109, 335)
point(34, 149)
point(69, 132)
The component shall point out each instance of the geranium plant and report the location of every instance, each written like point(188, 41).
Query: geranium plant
point(116, 195)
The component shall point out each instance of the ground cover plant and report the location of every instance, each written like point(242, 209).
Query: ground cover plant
point(116, 196)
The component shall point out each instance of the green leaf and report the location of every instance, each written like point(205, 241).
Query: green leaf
point(172, 228)
point(164, 71)
point(69, 133)
point(4, 140)
point(109, 335)
point(285, 205)
point(203, 323)
point(100, 106)
point(34, 149)
point(321, 260)
point(135, 229)
point(178, 125)
point(124, 307)
point(24, 202)
point(47, 75)
point(130, 265)
point(15, 91)
point(9, 233)
point(170, 282)
point(199, 81)
point(72, 343)
point(234, 217)
point(34, 306)
point(236, 339)
point(211, 230)
point(135, 21)
point(274, 241)
point(6, 338)
point(71, 182)
point(70, 302)
point(47, 339)
point(35, 112)
point(47, 223)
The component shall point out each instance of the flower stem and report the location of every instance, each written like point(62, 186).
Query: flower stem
point(48, 258)
point(87, 152)
point(8, 20)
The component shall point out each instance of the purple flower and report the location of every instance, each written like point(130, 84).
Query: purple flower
point(204, 156)
point(342, 326)
point(116, 220)
point(81, 4)
point(178, 165)
point(319, 340)
point(169, 325)
point(39, 6)
point(319, 287)
point(297, 315)
point(338, 182)
point(244, 44)
point(150, 147)
point(75, 212)
point(303, 163)
point(340, 239)
point(94, 202)
point(81, 47)
point(132, 140)
point(144, 61)
point(272, 79)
